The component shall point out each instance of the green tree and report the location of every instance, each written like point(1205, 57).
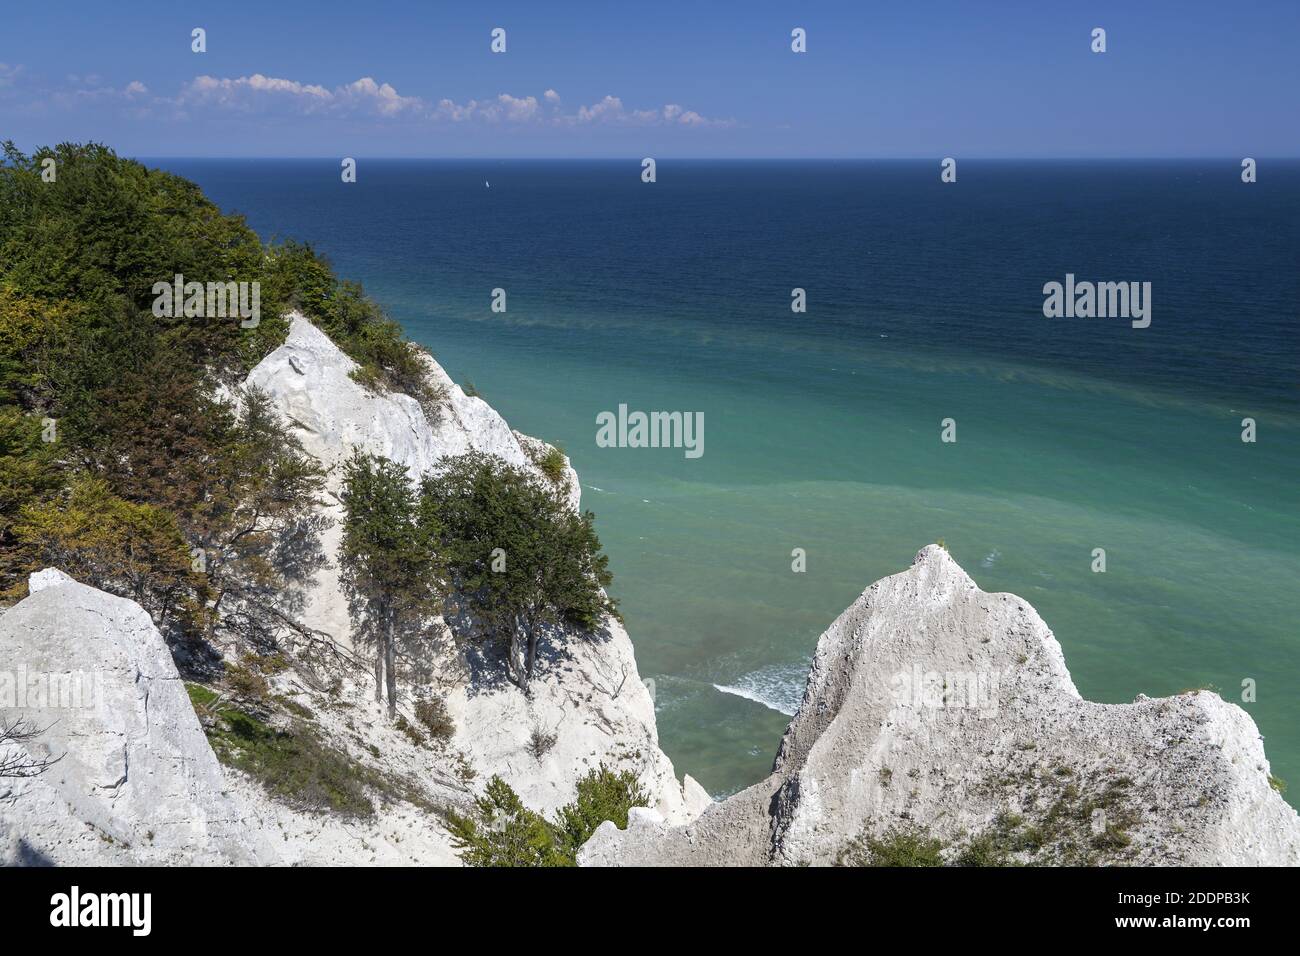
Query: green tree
point(33, 335)
point(387, 562)
point(256, 524)
point(28, 472)
point(136, 550)
point(522, 561)
point(602, 795)
point(503, 832)
point(109, 228)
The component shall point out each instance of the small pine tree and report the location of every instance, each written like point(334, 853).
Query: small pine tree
point(602, 795)
point(503, 832)
point(388, 568)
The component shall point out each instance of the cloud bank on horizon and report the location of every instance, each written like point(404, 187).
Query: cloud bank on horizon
point(365, 96)
point(281, 99)
point(368, 97)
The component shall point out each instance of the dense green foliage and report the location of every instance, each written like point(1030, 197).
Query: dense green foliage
point(387, 561)
point(503, 832)
point(117, 461)
point(602, 795)
point(523, 562)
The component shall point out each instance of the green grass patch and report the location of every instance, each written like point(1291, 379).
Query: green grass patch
point(901, 846)
point(552, 464)
point(201, 696)
point(294, 764)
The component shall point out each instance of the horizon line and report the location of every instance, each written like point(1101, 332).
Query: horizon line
point(734, 159)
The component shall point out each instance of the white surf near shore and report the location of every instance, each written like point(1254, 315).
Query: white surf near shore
point(778, 687)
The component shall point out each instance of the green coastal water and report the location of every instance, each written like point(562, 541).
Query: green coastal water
point(844, 460)
point(822, 431)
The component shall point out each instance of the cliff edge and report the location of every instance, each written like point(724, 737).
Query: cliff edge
point(938, 713)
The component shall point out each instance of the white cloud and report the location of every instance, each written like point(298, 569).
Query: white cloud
point(256, 92)
point(276, 96)
point(609, 110)
point(505, 108)
point(365, 92)
point(366, 95)
point(269, 94)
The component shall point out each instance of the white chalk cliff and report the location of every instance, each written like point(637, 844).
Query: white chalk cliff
point(1179, 780)
point(139, 782)
point(135, 781)
point(592, 700)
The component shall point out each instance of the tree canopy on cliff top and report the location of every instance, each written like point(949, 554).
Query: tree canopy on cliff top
point(114, 453)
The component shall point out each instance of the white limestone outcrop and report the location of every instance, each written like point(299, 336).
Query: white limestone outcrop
point(590, 697)
point(933, 704)
point(135, 781)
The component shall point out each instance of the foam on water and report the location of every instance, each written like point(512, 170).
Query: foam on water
point(778, 687)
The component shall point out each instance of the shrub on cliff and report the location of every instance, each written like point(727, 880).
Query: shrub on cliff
point(602, 795)
point(521, 560)
point(135, 550)
point(503, 832)
point(552, 464)
point(432, 713)
point(902, 846)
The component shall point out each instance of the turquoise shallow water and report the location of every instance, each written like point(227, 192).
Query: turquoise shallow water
point(822, 431)
point(845, 461)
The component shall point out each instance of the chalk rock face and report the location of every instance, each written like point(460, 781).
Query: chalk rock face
point(308, 379)
point(593, 703)
point(136, 781)
point(590, 698)
point(932, 704)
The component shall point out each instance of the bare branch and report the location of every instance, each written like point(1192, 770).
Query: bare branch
point(15, 761)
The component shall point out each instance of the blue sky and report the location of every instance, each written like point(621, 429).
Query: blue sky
point(700, 79)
